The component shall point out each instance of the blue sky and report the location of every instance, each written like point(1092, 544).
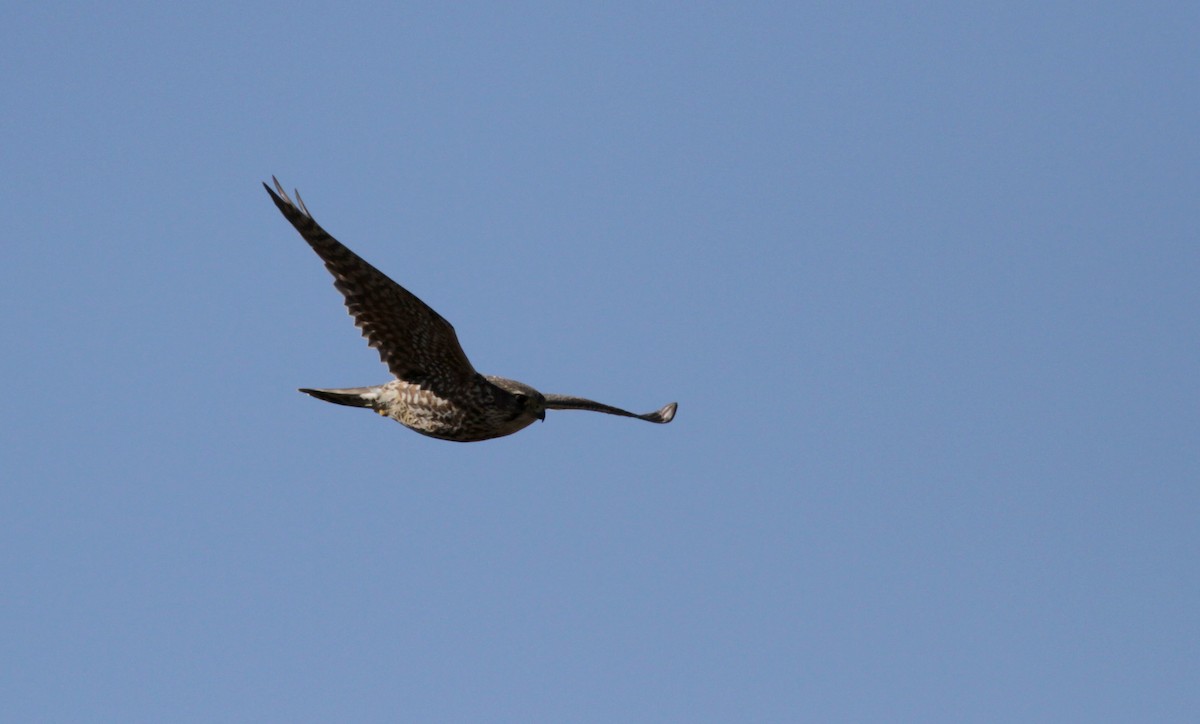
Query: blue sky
point(922, 278)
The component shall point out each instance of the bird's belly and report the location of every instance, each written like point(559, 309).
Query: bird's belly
point(425, 412)
point(457, 427)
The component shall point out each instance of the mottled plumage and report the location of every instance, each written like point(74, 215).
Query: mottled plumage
point(436, 391)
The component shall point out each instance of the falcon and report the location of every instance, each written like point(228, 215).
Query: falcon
point(436, 390)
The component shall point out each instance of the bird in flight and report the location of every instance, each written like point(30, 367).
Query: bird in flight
point(436, 391)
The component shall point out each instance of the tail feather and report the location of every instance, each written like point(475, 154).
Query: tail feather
point(350, 396)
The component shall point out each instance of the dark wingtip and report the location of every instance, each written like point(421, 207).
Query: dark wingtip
point(274, 196)
point(284, 202)
point(664, 414)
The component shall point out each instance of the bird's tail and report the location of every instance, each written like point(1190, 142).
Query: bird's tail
point(350, 396)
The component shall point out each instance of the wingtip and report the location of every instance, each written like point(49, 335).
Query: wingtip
point(283, 201)
point(664, 414)
point(276, 193)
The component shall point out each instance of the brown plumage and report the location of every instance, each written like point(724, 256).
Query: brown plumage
point(437, 391)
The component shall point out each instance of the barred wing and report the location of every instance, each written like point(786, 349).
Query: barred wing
point(414, 341)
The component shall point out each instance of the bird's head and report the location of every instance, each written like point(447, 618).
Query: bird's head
point(534, 405)
point(531, 404)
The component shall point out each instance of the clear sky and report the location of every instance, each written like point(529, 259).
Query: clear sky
point(923, 278)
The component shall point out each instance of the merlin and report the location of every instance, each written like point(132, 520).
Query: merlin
point(436, 391)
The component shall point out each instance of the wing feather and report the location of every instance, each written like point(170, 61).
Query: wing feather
point(664, 414)
point(415, 342)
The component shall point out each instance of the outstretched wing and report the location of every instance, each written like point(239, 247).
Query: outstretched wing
point(414, 341)
point(565, 402)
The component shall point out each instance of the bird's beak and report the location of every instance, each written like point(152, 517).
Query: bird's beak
point(542, 415)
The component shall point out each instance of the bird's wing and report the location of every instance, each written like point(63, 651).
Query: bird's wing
point(565, 402)
point(414, 341)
